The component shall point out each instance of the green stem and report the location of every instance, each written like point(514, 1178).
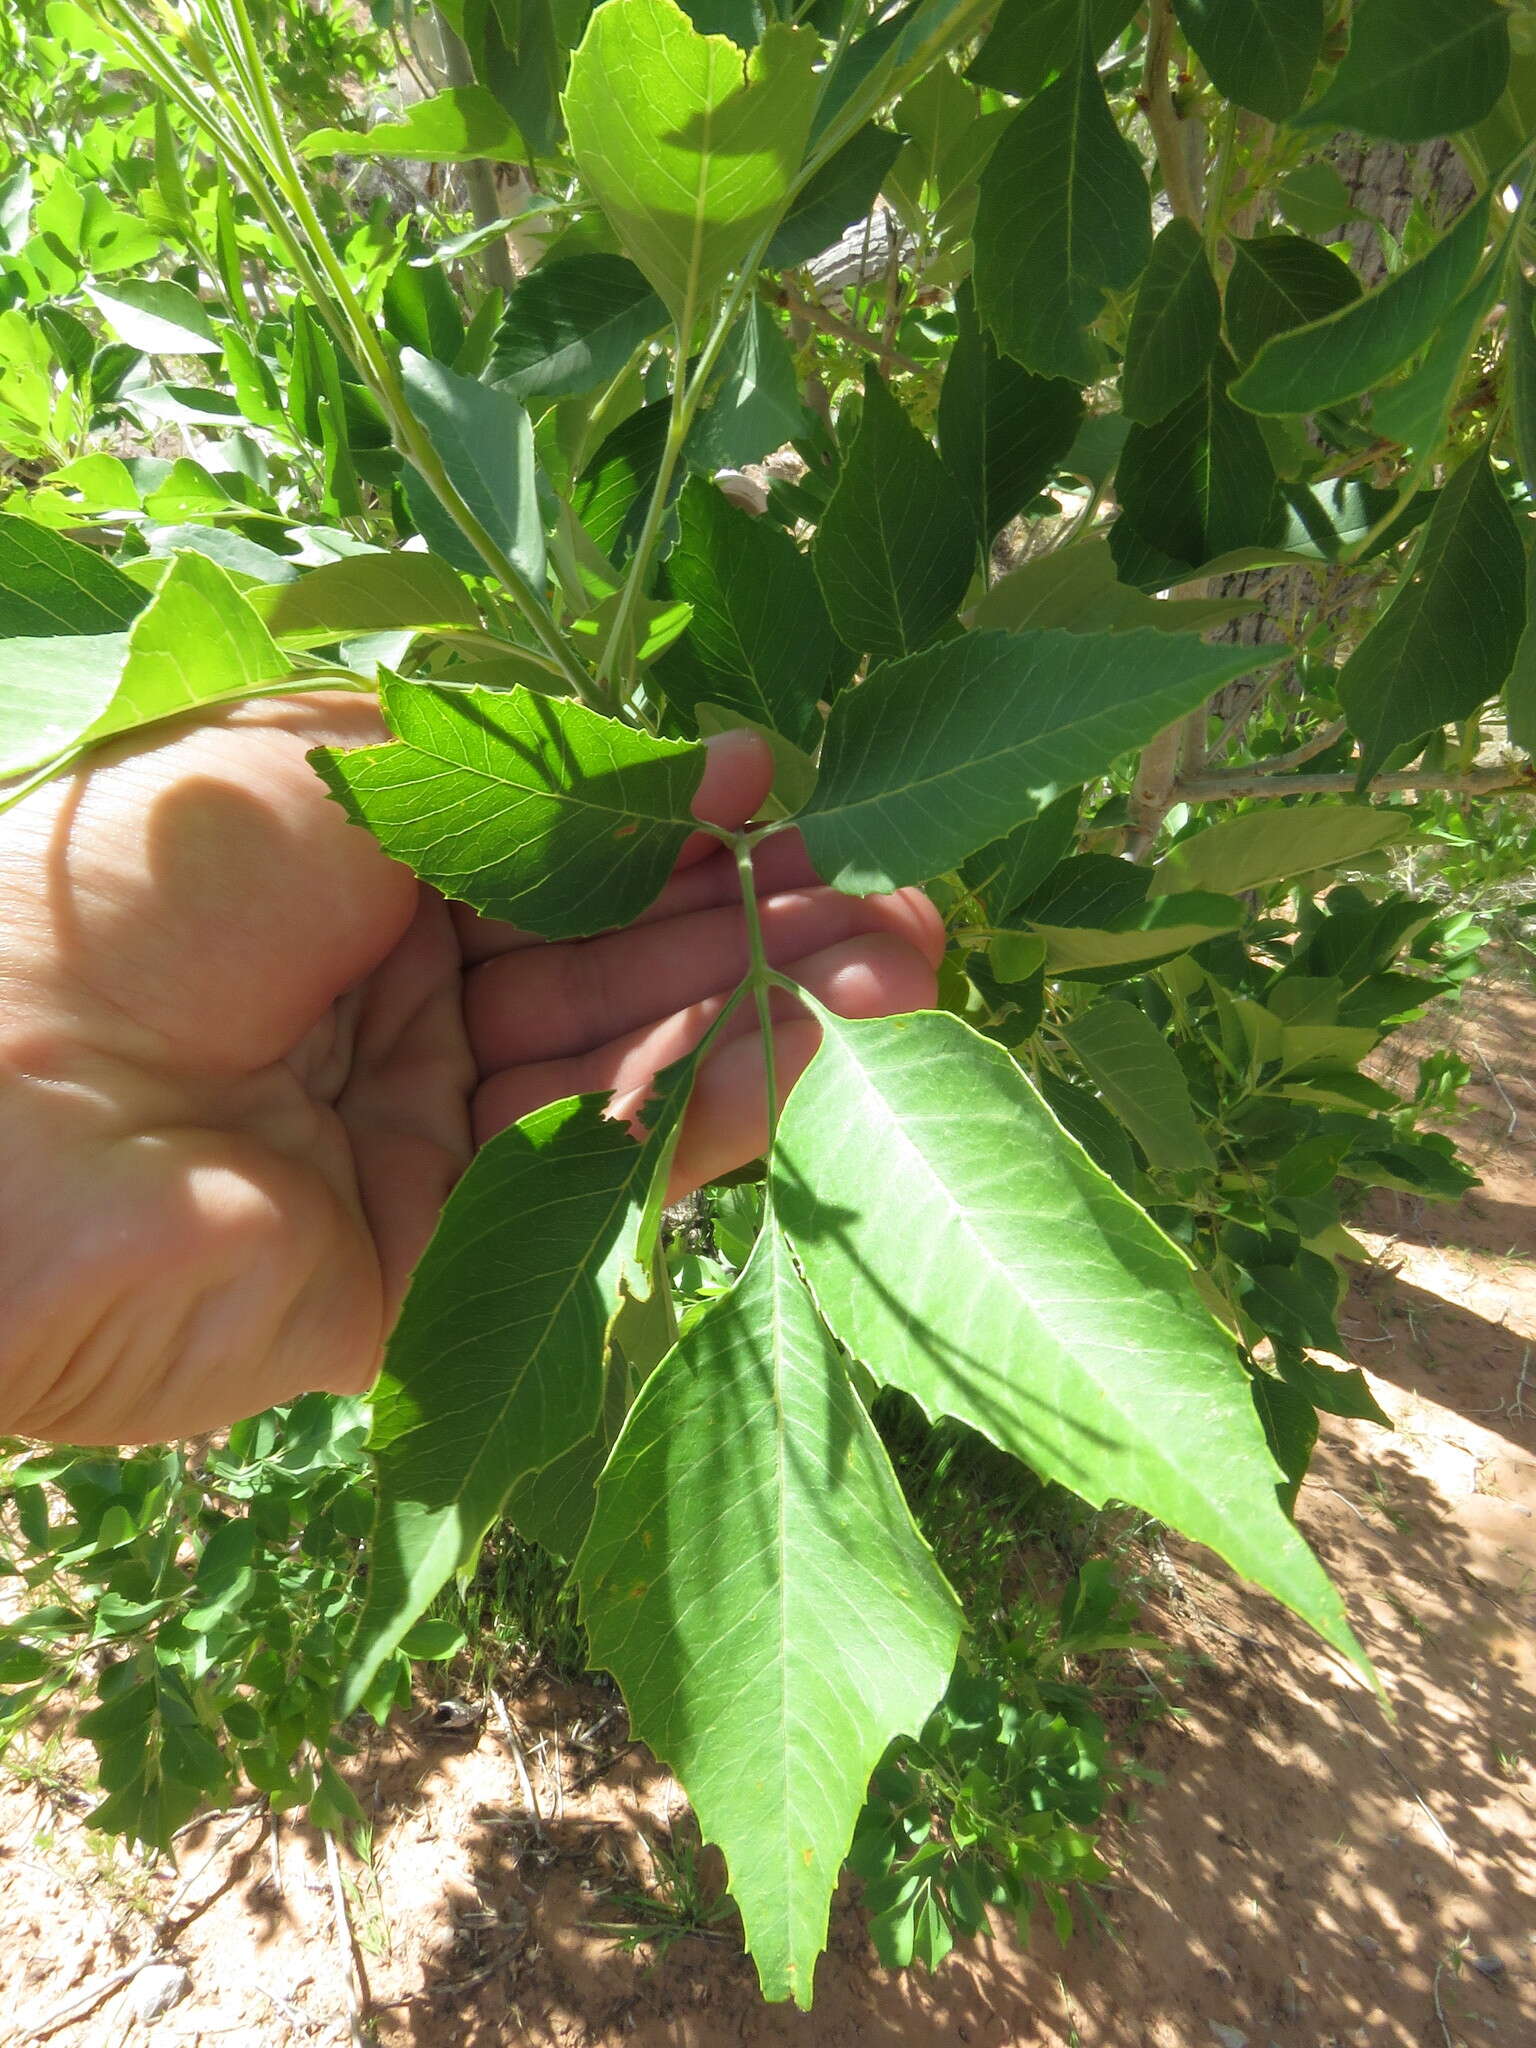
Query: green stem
point(258, 149)
point(760, 976)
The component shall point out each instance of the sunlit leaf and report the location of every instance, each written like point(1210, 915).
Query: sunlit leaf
point(531, 808)
point(963, 1247)
point(754, 1580)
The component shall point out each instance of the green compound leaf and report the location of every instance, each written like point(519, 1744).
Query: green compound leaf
point(1063, 218)
point(1002, 430)
point(1418, 68)
point(755, 1582)
point(690, 149)
point(573, 324)
point(1174, 328)
point(1347, 352)
point(896, 547)
point(1279, 282)
point(462, 125)
point(1261, 53)
point(495, 1368)
point(1137, 1072)
point(531, 808)
point(936, 756)
point(1275, 843)
point(967, 1250)
point(759, 640)
point(1448, 639)
point(483, 439)
point(50, 585)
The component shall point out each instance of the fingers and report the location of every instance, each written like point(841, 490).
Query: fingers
point(564, 1000)
point(738, 774)
point(875, 974)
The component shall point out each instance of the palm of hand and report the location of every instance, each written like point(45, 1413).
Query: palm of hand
point(243, 1058)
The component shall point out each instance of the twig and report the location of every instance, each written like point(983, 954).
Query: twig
point(1517, 1405)
point(816, 315)
point(1413, 1791)
point(241, 1816)
point(509, 1735)
point(1319, 743)
point(356, 1981)
point(1514, 1115)
point(86, 2000)
point(1212, 789)
point(452, 1986)
point(1440, 2009)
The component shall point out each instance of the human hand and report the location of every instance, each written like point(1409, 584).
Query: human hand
point(244, 1057)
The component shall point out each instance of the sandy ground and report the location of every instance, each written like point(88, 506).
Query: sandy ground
point(1302, 1873)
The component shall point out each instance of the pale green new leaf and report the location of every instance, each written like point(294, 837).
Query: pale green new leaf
point(495, 1367)
point(1417, 68)
point(1448, 639)
point(1348, 351)
point(968, 1251)
point(690, 148)
point(1063, 218)
point(937, 755)
point(1159, 929)
point(364, 594)
point(531, 808)
point(755, 1582)
point(464, 124)
point(1076, 589)
point(1272, 844)
point(1137, 1072)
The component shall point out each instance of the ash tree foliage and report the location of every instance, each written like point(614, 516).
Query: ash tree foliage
point(1105, 359)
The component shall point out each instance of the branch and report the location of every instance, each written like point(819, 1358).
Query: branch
point(813, 314)
point(1152, 793)
point(1163, 117)
point(1215, 789)
point(479, 178)
point(1319, 743)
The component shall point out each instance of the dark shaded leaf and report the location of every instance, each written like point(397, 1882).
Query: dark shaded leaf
point(1003, 431)
point(1063, 218)
point(1448, 639)
point(897, 545)
point(1175, 326)
point(1261, 53)
point(573, 324)
point(1418, 68)
point(1278, 282)
point(759, 639)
